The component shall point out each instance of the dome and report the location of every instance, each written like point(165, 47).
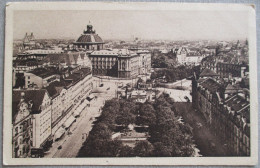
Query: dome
point(89, 38)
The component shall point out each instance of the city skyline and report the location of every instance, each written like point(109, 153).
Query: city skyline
point(124, 25)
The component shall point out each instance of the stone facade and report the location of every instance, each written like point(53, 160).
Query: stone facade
point(227, 116)
point(120, 63)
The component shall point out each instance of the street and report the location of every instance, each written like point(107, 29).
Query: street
point(72, 140)
point(177, 94)
point(201, 131)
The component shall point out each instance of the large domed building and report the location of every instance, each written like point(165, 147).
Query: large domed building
point(89, 40)
point(121, 63)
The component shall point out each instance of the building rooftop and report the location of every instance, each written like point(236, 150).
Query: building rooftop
point(211, 85)
point(89, 36)
point(35, 96)
point(64, 58)
point(114, 52)
point(208, 73)
point(89, 39)
point(230, 89)
point(240, 105)
point(55, 88)
point(43, 72)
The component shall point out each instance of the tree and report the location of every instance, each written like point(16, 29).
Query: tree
point(100, 131)
point(143, 149)
point(161, 150)
point(126, 151)
point(146, 115)
point(125, 118)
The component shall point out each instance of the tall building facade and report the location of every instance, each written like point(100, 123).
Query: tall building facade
point(226, 113)
point(121, 63)
point(31, 121)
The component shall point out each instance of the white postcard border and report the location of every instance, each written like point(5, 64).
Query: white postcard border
point(7, 101)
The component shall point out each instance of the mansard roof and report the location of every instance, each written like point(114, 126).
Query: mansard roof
point(208, 73)
point(211, 85)
point(35, 96)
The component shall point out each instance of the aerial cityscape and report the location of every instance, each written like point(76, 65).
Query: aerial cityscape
point(90, 96)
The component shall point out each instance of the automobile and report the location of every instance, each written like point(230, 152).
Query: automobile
point(108, 88)
point(101, 85)
point(37, 152)
point(60, 147)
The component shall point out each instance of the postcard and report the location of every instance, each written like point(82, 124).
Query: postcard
point(120, 83)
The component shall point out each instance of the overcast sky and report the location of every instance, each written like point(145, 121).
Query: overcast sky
point(161, 25)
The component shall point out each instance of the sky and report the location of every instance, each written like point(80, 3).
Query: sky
point(122, 24)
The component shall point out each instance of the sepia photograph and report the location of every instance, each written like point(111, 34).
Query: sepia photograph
point(130, 84)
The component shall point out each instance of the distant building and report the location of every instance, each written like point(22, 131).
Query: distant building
point(122, 63)
point(185, 56)
point(70, 59)
point(40, 77)
point(227, 70)
point(89, 40)
point(29, 41)
point(181, 54)
point(142, 96)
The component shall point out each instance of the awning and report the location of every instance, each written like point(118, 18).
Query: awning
point(76, 113)
point(91, 96)
point(59, 133)
point(69, 121)
point(81, 107)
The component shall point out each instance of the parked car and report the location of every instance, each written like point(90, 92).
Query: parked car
point(37, 152)
point(101, 85)
point(60, 147)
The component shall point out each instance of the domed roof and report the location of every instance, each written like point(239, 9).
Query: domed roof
point(89, 38)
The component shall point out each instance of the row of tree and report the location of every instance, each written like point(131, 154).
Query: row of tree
point(173, 74)
point(168, 137)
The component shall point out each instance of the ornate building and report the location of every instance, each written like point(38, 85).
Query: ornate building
point(89, 40)
point(121, 63)
point(227, 113)
point(29, 41)
point(22, 128)
point(31, 121)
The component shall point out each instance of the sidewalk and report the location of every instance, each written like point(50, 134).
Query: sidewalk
point(71, 143)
